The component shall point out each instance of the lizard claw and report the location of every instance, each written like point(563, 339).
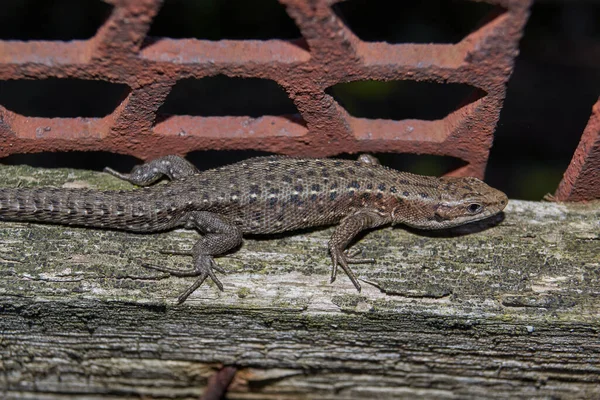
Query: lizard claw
point(350, 257)
point(177, 252)
point(204, 267)
point(340, 258)
point(116, 174)
point(203, 274)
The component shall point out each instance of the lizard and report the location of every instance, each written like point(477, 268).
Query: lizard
point(262, 195)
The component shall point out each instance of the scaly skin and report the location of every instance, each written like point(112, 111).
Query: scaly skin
point(262, 195)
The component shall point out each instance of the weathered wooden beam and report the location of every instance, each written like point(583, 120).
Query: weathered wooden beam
point(503, 308)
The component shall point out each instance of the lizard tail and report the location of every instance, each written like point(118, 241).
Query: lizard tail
point(138, 210)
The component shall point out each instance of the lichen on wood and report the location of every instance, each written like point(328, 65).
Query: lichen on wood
point(503, 308)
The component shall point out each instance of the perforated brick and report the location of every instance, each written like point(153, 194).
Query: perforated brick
point(329, 53)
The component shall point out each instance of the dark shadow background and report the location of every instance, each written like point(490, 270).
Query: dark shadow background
point(550, 94)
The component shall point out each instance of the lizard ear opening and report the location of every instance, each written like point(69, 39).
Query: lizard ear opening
point(439, 218)
point(442, 213)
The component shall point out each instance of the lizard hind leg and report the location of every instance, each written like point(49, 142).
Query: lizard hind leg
point(174, 167)
point(218, 237)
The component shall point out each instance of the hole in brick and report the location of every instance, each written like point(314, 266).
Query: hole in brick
point(431, 21)
point(560, 40)
point(51, 20)
point(398, 100)
point(204, 160)
point(224, 96)
point(64, 98)
point(422, 164)
point(97, 160)
point(218, 19)
point(90, 160)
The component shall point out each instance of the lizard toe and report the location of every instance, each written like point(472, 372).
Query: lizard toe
point(339, 258)
point(351, 257)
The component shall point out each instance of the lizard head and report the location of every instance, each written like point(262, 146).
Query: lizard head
point(457, 201)
point(465, 200)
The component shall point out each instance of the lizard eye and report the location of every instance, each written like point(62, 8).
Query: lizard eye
point(474, 208)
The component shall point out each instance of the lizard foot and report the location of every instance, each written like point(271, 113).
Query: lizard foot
point(204, 267)
point(342, 259)
point(352, 260)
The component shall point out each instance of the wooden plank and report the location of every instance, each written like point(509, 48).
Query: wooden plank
point(503, 308)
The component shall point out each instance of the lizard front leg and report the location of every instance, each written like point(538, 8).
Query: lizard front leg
point(174, 167)
point(218, 237)
point(347, 230)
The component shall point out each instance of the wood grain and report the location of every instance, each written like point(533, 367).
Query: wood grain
point(503, 308)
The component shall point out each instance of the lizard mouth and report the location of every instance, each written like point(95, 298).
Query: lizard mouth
point(396, 216)
point(394, 221)
point(468, 220)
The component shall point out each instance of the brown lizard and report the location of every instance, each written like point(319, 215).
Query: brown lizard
point(263, 195)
